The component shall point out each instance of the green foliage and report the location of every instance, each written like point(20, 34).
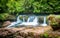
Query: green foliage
point(34, 6)
point(45, 35)
point(4, 16)
point(55, 5)
point(57, 16)
point(15, 6)
point(3, 7)
point(29, 6)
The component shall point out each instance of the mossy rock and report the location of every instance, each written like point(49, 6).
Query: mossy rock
point(54, 21)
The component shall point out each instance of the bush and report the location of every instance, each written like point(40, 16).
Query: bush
point(4, 16)
point(7, 16)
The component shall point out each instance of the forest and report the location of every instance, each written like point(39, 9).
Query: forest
point(16, 7)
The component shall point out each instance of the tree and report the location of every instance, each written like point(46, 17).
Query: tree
point(16, 6)
point(28, 6)
point(3, 7)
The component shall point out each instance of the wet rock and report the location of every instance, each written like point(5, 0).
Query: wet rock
point(6, 23)
point(11, 18)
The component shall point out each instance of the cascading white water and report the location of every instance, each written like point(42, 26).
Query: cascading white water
point(13, 24)
point(44, 22)
point(18, 20)
point(32, 20)
point(23, 18)
point(44, 19)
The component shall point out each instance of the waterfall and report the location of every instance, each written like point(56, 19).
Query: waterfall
point(32, 20)
point(18, 20)
point(23, 18)
point(44, 21)
point(13, 24)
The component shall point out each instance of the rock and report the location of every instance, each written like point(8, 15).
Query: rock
point(19, 37)
point(23, 32)
point(11, 18)
point(54, 21)
point(6, 23)
point(58, 20)
point(29, 37)
point(5, 32)
point(53, 33)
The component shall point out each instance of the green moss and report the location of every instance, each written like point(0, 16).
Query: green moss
point(58, 16)
point(54, 21)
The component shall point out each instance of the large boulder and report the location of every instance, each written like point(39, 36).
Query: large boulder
point(54, 21)
point(6, 23)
